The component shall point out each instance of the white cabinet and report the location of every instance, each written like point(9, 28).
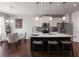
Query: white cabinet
point(45, 19)
point(38, 23)
point(54, 21)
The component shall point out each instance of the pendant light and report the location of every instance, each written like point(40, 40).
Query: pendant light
point(64, 17)
point(37, 18)
point(11, 9)
point(11, 21)
point(37, 11)
point(7, 21)
point(50, 18)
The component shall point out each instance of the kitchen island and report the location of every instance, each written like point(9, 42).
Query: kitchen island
point(45, 37)
point(50, 35)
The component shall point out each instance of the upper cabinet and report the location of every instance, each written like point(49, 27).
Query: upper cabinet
point(45, 19)
point(54, 21)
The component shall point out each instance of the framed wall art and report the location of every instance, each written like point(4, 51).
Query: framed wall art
point(18, 23)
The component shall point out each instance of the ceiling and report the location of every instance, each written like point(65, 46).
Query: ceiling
point(43, 8)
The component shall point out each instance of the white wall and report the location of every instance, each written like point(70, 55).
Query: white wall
point(75, 21)
point(28, 22)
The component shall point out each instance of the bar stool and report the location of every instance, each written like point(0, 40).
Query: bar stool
point(37, 45)
point(67, 46)
point(53, 46)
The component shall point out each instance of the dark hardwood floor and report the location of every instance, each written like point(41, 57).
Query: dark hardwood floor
point(23, 50)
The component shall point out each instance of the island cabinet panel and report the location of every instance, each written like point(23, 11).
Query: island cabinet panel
point(46, 39)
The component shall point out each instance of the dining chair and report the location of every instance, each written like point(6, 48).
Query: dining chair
point(37, 45)
point(12, 40)
point(53, 46)
point(67, 46)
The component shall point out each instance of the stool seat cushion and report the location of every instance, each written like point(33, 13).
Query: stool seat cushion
point(66, 42)
point(52, 42)
point(37, 42)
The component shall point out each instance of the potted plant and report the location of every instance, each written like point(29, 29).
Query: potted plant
point(8, 29)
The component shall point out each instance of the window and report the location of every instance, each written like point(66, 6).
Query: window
point(2, 25)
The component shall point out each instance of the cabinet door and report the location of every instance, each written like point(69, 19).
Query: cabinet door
point(54, 21)
point(38, 23)
point(46, 19)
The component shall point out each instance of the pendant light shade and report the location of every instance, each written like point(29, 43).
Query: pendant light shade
point(50, 18)
point(7, 21)
point(11, 21)
point(64, 18)
point(37, 18)
point(37, 10)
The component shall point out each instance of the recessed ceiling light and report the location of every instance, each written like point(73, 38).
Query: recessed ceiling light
point(75, 4)
point(52, 5)
point(58, 4)
point(41, 4)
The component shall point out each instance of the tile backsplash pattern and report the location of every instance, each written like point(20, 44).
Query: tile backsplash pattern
point(51, 29)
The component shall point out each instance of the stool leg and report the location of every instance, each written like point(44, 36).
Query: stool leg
point(42, 47)
point(48, 50)
point(8, 45)
point(62, 48)
point(57, 48)
point(32, 47)
point(72, 50)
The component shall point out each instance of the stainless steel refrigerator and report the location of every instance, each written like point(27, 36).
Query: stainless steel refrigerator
point(65, 28)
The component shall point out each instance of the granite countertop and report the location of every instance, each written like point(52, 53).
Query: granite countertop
point(50, 35)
